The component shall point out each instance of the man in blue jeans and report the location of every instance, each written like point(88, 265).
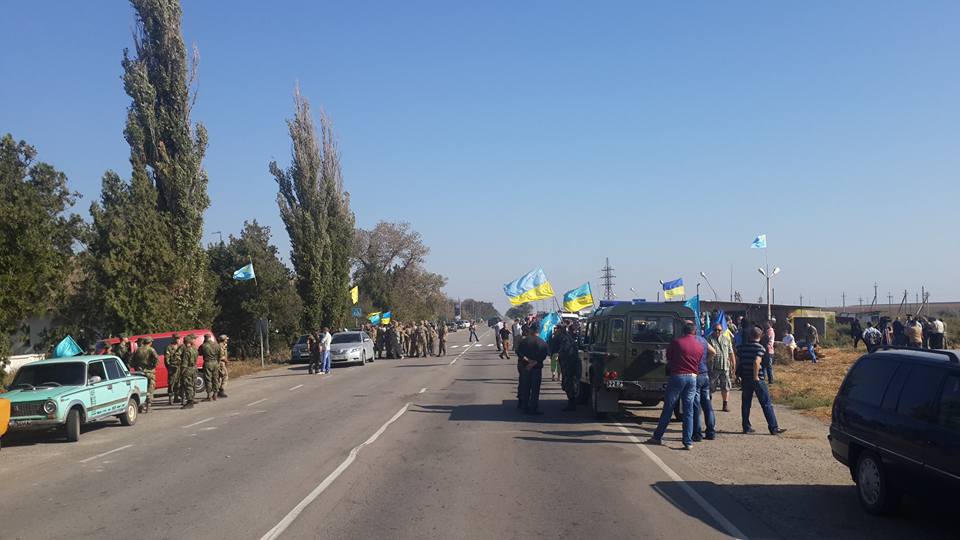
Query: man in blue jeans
point(750, 370)
point(683, 363)
point(703, 401)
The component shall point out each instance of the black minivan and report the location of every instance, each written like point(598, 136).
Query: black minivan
point(896, 424)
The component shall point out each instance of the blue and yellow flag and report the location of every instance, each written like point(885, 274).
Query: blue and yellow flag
point(374, 317)
point(530, 287)
point(579, 298)
point(673, 289)
point(245, 274)
point(385, 318)
point(550, 320)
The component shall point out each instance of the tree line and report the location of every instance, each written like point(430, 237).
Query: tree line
point(138, 264)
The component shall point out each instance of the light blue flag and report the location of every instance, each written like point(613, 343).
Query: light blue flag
point(245, 274)
point(760, 242)
point(67, 347)
point(546, 325)
point(694, 304)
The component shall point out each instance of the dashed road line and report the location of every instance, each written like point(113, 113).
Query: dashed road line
point(422, 390)
point(255, 402)
point(297, 386)
point(278, 529)
point(204, 421)
point(98, 456)
point(721, 520)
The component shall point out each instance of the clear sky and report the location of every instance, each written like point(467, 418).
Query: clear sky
point(521, 134)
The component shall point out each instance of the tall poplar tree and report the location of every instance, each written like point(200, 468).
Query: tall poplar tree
point(150, 268)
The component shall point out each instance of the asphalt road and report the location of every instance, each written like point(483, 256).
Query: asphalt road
point(412, 448)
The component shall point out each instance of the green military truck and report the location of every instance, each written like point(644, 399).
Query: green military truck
point(623, 353)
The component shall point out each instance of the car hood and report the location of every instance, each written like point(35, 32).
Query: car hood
point(20, 396)
point(344, 347)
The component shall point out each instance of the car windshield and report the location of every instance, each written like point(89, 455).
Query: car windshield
point(59, 374)
point(346, 338)
point(302, 340)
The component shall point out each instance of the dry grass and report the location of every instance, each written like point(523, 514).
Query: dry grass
point(810, 387)
point(241, 368)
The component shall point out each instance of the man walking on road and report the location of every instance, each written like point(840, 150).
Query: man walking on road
point(531, 352)
point(683, 363)
point(503, 337)
point(750, 369)
point(442, 339)
point(496, 334)
point(473, 333)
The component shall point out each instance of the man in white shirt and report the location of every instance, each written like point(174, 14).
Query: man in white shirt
point(517, 331)
point(325, 340)
point(937, 335)
point(496, 332)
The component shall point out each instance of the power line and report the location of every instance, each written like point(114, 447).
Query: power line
point(606, 280)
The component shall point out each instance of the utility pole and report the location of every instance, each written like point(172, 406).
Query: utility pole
point(861, 301)
point(843, 297)
point(606, 280)
point(801, 300)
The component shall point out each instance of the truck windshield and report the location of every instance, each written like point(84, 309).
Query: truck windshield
point(62, 374)
point(346, 338)
point(651, 328)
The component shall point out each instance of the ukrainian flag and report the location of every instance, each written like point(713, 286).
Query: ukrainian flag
point(579, 298)
point(530, 287)
point(385, 318)
point(673, 289)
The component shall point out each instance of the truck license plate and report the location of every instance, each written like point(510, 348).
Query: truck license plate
point(615, 384)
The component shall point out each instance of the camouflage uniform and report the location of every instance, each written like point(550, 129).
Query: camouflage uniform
point(442, 340)
point(413, 338)
point(122, 351)
point(222, 375)
point(423, 339)
point(188, 372)
point(211, 366)
point(146, 360)
point(431, 340)
point(172, 359)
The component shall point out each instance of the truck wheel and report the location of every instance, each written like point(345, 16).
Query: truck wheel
point(129, 417)
point(73, 425)
point(876, 494)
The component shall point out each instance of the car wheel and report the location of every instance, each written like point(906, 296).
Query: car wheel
point(73, 425)
point(876, 495)
point(199, 384)
point(129, 417)
point(363, 358)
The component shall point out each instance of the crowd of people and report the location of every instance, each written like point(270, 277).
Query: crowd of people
point(416, 340)
point(914, 332)
point(180, 359)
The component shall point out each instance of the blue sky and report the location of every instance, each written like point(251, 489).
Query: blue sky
point(555, 134)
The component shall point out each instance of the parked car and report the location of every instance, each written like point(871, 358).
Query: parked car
point(65, 393)
point(160, 343)
point(300, 353)
point(452, 327)
point(896, 425)
point(351, 347)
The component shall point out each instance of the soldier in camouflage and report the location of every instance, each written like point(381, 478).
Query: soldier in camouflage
point(222, 375)
point(211, 365)
point(442, 340)
point(188, 371)
point(172, 359)
point(122, 350)
point(145, 360)
point(431, 339)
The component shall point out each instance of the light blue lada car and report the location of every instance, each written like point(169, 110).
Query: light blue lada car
point(66, 393)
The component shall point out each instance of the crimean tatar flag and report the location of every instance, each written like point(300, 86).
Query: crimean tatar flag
point(760, 242)
point(673, 289)
point(374, 317)
point(355, 294)
point(579, 298)
point(245, 274)
point(532, 286)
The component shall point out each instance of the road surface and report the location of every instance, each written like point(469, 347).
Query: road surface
point(413, 448)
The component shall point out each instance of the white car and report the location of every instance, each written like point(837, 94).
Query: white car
point(353, 347)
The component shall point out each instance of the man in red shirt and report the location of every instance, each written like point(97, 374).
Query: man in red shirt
point(683, 364)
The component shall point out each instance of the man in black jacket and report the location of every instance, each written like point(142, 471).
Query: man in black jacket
point(531, 352)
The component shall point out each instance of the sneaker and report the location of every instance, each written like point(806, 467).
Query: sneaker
point(778, 431)
point(687, 446)
point(696, 439)
point(653, 440)
point(710, 437)
point(747, 431)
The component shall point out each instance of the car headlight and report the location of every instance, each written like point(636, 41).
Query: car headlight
point(50, 407)
point(354, 350)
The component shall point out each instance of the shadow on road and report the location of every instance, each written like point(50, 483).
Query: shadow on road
point(808, 511)
point(54, 435)
point(507, 412)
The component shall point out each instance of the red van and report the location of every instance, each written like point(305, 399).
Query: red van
point(160, 343)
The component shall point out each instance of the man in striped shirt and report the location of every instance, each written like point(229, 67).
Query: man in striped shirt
point(750, 356)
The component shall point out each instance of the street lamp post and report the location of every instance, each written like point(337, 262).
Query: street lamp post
point(704, 276)
point(769, 275)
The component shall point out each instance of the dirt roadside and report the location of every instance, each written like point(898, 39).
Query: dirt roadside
point(791, 482)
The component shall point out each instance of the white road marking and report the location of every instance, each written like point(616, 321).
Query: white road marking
point(204, 421)
point(278, 529)
point(98, 456)
point(422, 390)
point(454, 346)
point(255, 402)
point(729, 527)
point(489, 344)
point(297, 386)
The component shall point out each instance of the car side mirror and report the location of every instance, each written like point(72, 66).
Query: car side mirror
point(94, 380)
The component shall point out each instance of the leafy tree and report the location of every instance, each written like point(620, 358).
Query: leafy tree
point(272, 296)
point(519, 312)
point(149, 268)
point(36, 237)
point(316, 213)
